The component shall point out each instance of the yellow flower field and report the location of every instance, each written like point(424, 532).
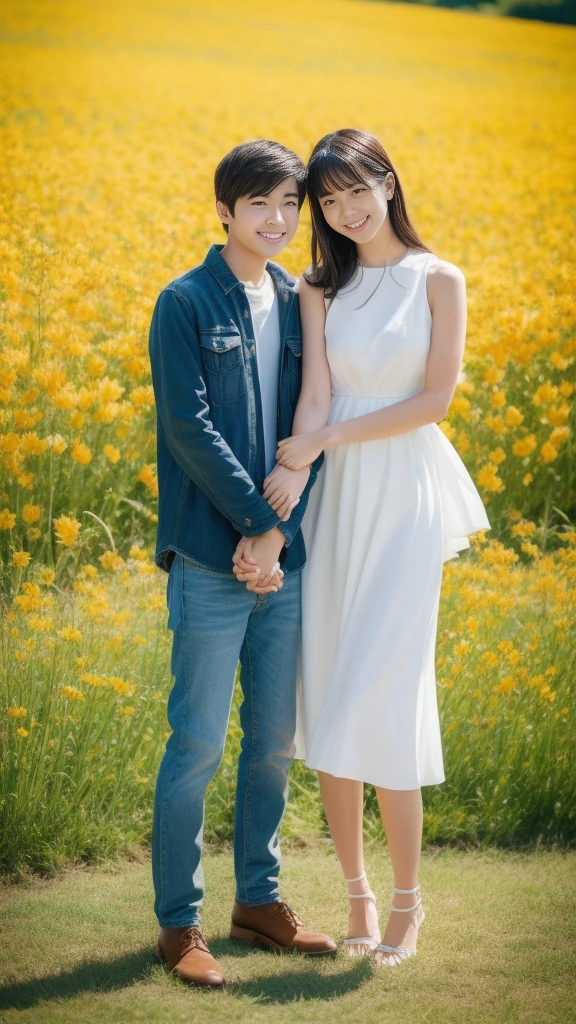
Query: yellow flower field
point(113, 119)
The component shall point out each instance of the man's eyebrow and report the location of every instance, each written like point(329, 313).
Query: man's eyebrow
point(287, 194)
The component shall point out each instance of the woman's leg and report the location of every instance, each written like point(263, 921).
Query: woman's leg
point(343, 801)
point(401, 812)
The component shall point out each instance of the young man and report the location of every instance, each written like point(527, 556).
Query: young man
point(225, 349)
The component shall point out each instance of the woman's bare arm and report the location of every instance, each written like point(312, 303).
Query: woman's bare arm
point(447, 298)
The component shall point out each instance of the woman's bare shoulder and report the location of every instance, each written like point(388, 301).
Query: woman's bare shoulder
point(445, 273)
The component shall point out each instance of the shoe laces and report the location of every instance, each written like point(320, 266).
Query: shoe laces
point(192, 938)
point(288, 914)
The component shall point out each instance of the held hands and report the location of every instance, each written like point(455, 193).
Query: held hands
point(283, 487)
point(256, 562)
point(300, 450)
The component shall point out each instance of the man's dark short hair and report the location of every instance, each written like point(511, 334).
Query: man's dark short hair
point(256, 169)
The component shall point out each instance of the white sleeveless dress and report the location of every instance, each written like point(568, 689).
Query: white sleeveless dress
point(382, 518)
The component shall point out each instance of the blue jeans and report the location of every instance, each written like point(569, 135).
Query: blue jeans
point(217, 622)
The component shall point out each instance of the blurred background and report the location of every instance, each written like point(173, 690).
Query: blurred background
point(113, 118)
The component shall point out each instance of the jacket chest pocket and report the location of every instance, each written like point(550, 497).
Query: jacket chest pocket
point(223, 365)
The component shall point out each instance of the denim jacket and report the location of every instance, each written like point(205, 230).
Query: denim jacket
point(210, 450)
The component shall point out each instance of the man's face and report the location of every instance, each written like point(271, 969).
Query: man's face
point(264, 224)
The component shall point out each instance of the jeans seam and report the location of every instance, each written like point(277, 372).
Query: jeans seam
point(247, 803)
point(176, 765)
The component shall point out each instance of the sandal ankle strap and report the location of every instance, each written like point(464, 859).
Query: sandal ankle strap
point(359, 879)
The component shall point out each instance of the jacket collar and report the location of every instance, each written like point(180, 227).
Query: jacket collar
point(227, 280)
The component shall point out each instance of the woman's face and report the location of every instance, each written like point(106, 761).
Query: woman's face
point(358, 212)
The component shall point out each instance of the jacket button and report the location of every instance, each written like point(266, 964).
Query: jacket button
point(246, 314)
point(248, 522)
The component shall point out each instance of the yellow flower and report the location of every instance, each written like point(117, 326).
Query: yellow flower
point(548, 452)
point(93, 680)
point(505, 685)
point(81, 453)
point(143, 396)
point(489, 479)
point(59, 445)
point(545, 394)
point(497, 456)
point(527, 479)
point(129, 710)
point(41, 623)
point(525, 446)
point(112, 453)
point(139, 553)
point(513, 416)
point(498, 399)
point(21, 558)
point(16, 712)
point(71, 693)
point(10, 442)
point(558, 361)
point(22, 732)
point(32, 444)
point(111, 560)
point(31, 513)
point(70, 633)
point(147, 476)
point(7, 519)
point(524, 529)
point(120, 685)
point(489, 658)
point(48, 576)
point(66, 530)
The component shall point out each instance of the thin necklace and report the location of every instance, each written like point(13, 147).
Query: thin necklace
point(395, 264)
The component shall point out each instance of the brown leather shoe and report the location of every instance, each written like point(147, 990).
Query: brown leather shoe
point(185, 953)
point(276, 926)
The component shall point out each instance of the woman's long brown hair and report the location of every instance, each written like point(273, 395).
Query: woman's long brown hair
point(341, 160)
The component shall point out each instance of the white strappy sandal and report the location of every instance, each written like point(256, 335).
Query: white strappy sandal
point(354, 946)
point(399, 953)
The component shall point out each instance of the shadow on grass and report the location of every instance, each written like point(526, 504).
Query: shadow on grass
point(104, 975)
point(298, 986)
point(92, 975)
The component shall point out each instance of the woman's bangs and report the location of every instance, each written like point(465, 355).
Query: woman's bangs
point(329, 173)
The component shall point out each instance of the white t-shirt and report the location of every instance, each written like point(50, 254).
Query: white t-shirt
point(264, 309)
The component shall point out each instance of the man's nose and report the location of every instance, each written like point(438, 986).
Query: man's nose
point(275, 216)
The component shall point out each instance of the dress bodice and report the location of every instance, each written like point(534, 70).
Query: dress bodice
point(378, 331)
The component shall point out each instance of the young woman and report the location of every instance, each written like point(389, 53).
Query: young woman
point(384, 326)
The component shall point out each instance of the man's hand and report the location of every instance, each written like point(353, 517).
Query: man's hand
point(283, 487)
point(255, 561)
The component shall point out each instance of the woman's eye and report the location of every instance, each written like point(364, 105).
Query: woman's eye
point(328, 201)
point(356, 190)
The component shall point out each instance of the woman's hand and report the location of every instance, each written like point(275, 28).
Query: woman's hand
point(283, 487)
point(300, 450)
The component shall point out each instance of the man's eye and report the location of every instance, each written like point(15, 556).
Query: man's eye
point(290, 203)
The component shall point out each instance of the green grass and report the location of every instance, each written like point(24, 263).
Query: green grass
point(498, 945)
